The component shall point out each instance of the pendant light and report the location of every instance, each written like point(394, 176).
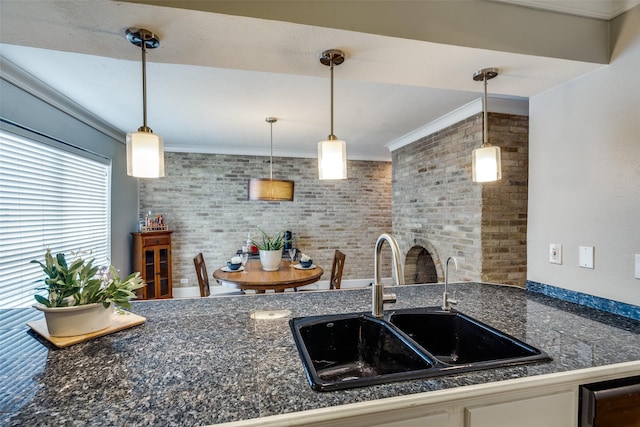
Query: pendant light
point(271, 189)
point(145, 150)
point(332, 153)
point(485, 161)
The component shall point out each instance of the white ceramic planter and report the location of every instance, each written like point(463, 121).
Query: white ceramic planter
point(76, 320)
point(271, 259)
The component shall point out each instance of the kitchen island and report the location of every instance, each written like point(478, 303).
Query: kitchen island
point(233, 359)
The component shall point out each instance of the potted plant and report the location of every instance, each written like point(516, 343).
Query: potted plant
point(270, 248)
point(80, 296)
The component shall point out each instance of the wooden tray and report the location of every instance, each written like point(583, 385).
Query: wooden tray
point(119, 322)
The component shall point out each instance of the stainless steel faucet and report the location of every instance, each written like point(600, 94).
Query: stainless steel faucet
point(378, 297)
point(446, 302)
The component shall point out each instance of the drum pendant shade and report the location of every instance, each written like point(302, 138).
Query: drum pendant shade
point(273, 190)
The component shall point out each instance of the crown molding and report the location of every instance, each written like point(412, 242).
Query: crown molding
point(302, 154)
point(517, 106)
point(18, 77)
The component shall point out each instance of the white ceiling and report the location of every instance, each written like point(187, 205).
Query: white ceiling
point(215, 77)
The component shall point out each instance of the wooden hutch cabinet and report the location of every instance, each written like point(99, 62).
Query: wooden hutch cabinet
point(152, 258)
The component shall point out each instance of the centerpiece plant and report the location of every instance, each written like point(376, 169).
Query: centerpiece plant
point(271, 249)
point(271, 243)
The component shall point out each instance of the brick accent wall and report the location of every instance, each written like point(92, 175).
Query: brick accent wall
point(505, 204)
point(204, 200)
point(437, 206)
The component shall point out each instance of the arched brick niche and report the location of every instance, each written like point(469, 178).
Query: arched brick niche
point(434, 200)
point(420, 266)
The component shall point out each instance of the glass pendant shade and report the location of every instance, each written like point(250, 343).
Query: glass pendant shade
point(145, 155)
point(332, 159)
point(486, 164)
point(277, 190)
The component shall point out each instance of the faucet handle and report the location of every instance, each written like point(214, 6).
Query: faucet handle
point(454, 301)
point(389, 298)
point(448, 302)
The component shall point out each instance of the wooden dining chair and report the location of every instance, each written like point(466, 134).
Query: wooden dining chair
point(336, 270)
point(201, 273)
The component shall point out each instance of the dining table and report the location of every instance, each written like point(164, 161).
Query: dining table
point(252, 277)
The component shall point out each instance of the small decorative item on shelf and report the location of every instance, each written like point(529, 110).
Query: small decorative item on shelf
point(305, 260)
point(235, 263)
point(80, 297)
point(153, 223)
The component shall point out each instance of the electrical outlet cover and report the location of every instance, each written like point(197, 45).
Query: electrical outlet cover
point(555, 253)
point(585, 256)
point(637, 266)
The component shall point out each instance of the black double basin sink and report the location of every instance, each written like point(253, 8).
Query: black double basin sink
point(356, 349)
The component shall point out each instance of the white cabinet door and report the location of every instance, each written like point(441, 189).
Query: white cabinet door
point(555, 410)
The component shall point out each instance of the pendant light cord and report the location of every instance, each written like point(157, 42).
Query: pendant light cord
point(144, 127)
point(271, 153)
point(332, 136)
point(145, 39)
point(144, 86)
point(485, 115)
point(485, 75)
point(271, 121)
point(331, 58)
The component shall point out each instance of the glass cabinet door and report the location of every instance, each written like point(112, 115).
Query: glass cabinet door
point(150, 273)
point(163, 273)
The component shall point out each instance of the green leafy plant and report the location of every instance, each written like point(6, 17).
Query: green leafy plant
point(270, 243)
point(81, 283)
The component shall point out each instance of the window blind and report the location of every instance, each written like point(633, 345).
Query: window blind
point(50, 198)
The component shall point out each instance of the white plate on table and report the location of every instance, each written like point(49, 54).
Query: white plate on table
point(228, 270)
point(299, 267)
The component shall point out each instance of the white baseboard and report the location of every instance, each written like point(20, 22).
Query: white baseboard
point(194, 291)
point(230, 288)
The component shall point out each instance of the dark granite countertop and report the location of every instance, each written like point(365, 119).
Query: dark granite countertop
point(206, 361)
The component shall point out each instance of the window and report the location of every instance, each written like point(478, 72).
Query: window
point(51, 196)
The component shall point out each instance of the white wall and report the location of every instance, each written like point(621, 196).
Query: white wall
point(584, 176)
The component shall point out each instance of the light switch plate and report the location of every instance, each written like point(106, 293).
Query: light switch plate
point(637, 266)
point(585, 256)
point(555, 253)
